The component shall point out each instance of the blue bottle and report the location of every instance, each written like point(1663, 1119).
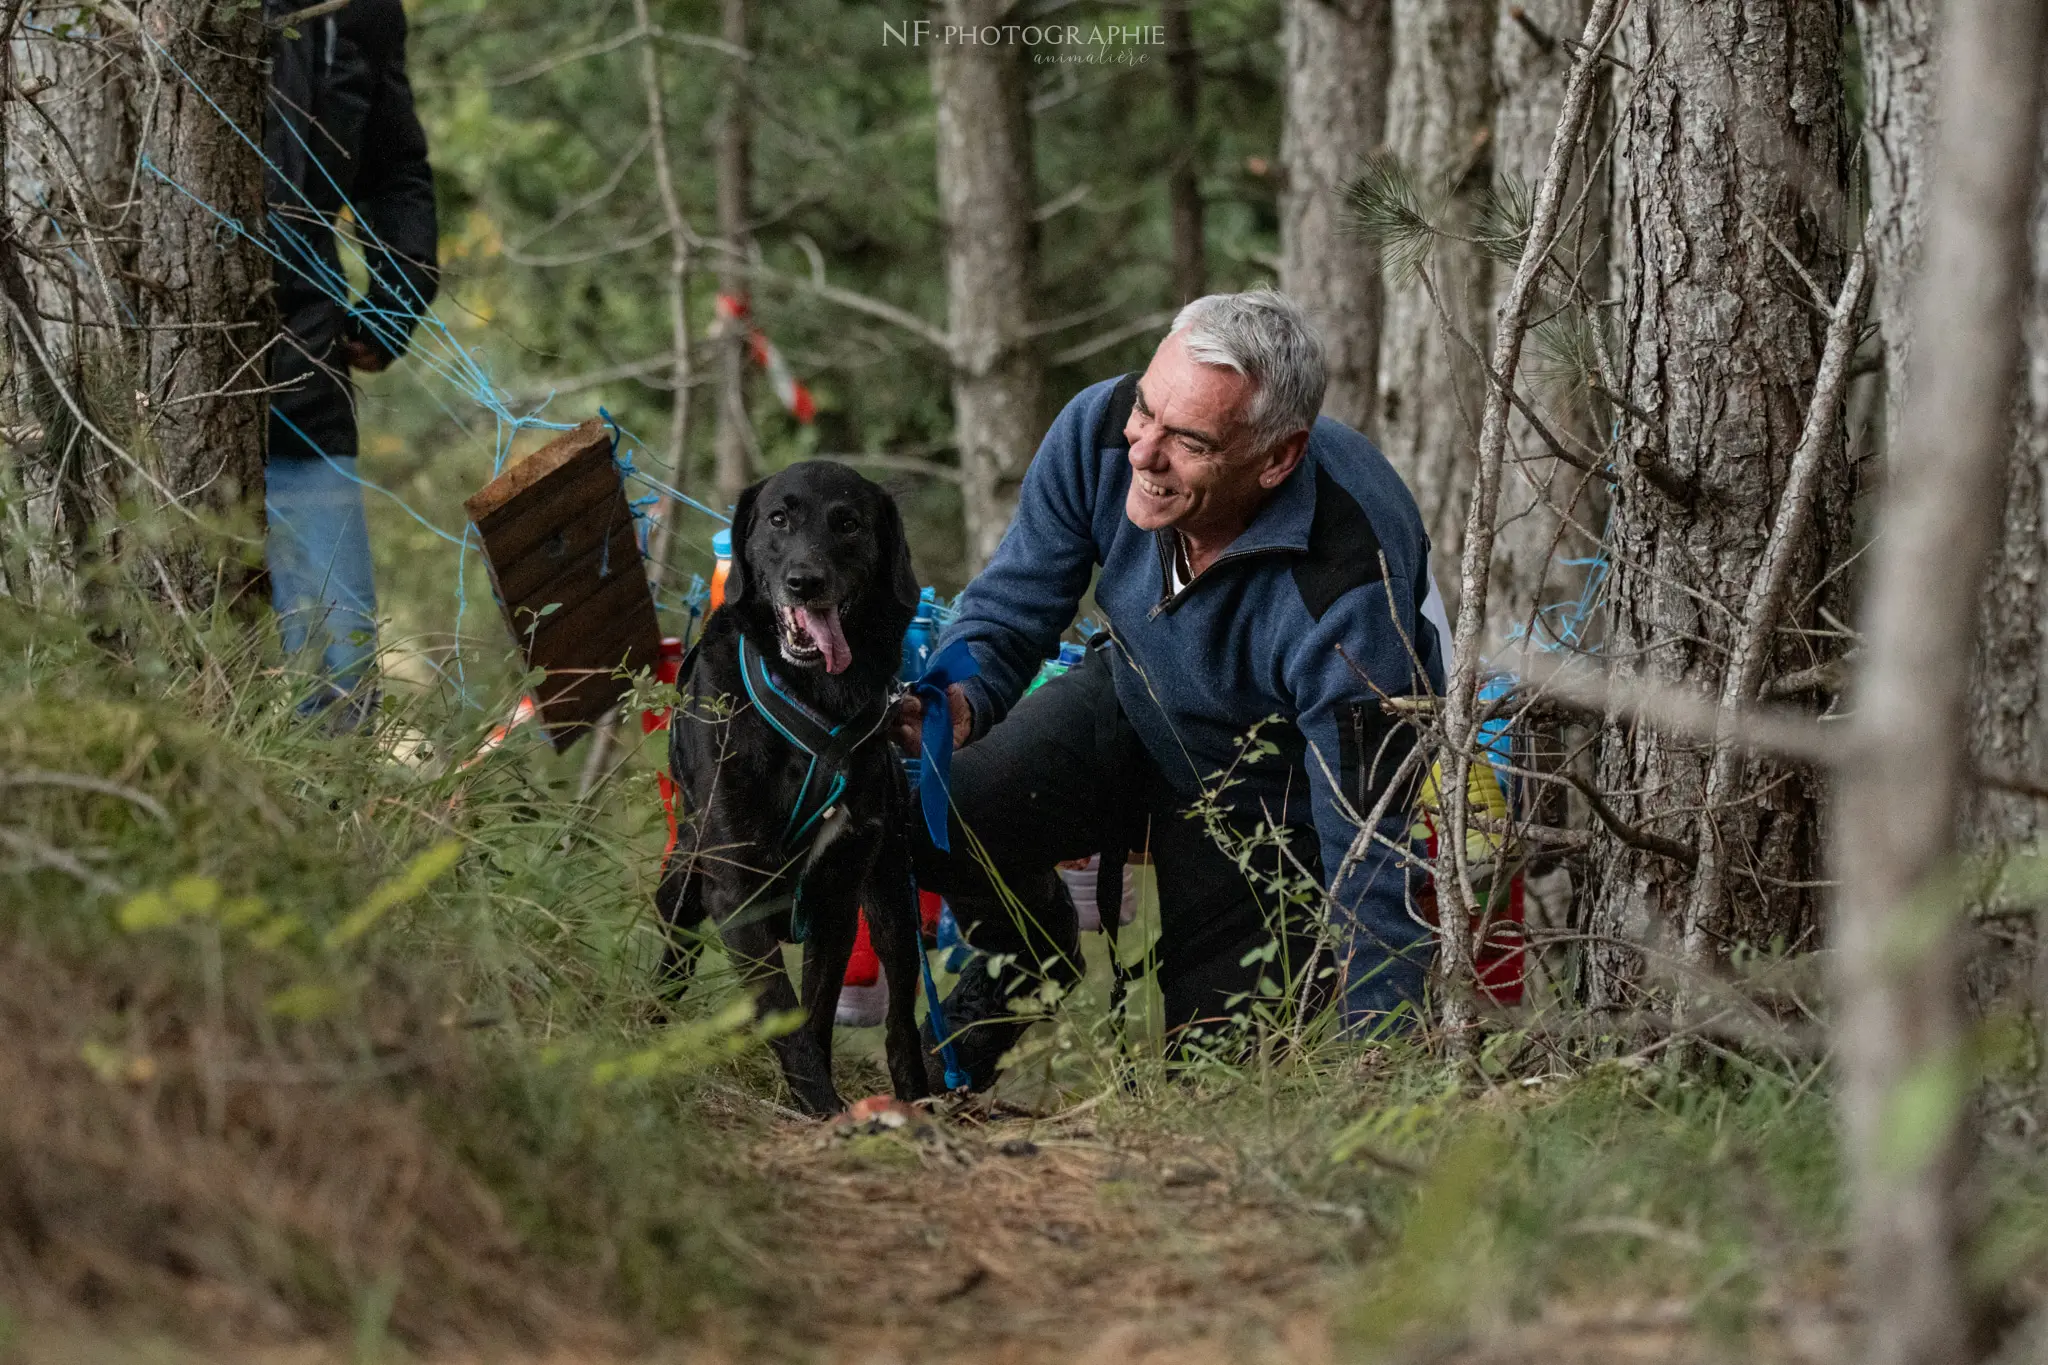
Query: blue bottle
point(922, 635)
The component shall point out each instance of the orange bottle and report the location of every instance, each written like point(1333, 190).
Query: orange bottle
point(721, 568)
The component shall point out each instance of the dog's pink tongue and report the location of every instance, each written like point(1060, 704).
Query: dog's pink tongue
point(823, 628)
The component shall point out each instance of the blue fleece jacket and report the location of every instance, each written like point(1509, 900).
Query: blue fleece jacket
point(1311, 616)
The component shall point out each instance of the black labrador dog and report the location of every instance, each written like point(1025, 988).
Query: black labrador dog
point(796, 804)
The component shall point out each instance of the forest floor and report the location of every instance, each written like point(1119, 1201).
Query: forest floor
point(1009, 1240)
point(315, 1056)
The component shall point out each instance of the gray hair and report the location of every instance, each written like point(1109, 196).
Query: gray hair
point(1264, 336)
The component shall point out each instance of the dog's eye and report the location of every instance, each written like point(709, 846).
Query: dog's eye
point(845, 523)
point(779, 519)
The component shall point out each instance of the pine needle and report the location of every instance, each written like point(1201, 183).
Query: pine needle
point(1389, 211)
point(1501, 226)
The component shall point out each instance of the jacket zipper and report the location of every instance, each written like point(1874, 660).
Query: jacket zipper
point(1167, 604)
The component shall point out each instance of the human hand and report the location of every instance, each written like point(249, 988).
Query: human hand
point(909, 720)
point(362, 356)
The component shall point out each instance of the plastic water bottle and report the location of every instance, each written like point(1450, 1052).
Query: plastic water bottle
point(721, 568)
point(1067, 658)
point(922, 635)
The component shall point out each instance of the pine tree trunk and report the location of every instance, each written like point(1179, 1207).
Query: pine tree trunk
point(1335, 114)
point(1183, 181)
point(69, 362)
point(1439, 124)
point(1898, 40)
point(2007, 708)
point(986, 195)
point(2009, 686)
point(207, 299)
point(1550, 511)
point(733, 468)
point(1719, 351)
point(133, 333)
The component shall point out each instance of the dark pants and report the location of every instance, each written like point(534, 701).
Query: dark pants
point(1062, 777)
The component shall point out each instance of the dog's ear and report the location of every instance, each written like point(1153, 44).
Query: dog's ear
point(895, 548)
point(738, 582)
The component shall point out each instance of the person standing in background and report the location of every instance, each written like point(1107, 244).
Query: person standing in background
point(341, 137)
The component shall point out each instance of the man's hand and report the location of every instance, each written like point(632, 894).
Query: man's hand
point(909, 721)
point(361, 356)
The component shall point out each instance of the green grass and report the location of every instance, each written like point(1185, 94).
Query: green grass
point(235, 901)
point(391, 1026)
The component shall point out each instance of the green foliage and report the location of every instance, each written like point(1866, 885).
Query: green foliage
point(465, 952)
point(1389, 210)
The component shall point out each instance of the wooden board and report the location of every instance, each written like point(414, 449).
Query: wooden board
point(568, 575)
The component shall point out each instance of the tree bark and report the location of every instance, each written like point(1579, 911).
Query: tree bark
point(732, 445)
point(1335, 112)
point(134, 317)
point(207, 301)
point(1183, 180)
point(986, 195)
point(1898, 1027)
point(1455, 892)
point(1898, 41)
point(1551, 511)
point(1440, 126)
point(1728, 150)
point(2009, 688)
point(67, 355)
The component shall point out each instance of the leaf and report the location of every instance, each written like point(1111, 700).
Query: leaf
point(195, 895)
point(697, 1045)
point(147, 910)
point(307, 1000)
point(272, 934)
point(419, 874)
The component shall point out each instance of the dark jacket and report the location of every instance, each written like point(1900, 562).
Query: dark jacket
point(341, 132)
point(1308, 617)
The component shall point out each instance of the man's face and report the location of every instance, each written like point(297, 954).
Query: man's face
point(1190, 465)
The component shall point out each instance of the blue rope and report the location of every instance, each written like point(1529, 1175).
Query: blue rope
point(956, 1075)
point(433, 347)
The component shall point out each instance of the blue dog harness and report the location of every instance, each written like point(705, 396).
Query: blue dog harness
point(830, 748)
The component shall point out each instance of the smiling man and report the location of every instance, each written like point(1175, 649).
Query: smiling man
point(1264, 574)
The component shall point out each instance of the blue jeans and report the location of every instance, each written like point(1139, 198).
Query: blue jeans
point(321, 582)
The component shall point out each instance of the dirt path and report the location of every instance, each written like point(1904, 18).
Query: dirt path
point(1009, 1242)
point(1013, 1242)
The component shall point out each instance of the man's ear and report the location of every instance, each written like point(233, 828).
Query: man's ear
point(1284, 458)
point(738, 581)
point(895, 547)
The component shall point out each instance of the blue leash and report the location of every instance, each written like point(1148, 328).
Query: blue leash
point(955, 663)
point(956, 1075)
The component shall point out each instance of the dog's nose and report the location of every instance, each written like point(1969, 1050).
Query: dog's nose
point(804, 584)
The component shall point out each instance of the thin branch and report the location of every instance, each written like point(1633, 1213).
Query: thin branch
point(37, 777)
point(36, 851)
point(1818, 443)
point(1635, 836)
point(1115, 336)
point(300, 16)
point(1536, 423)
point(846, 298)
point(1454, 883)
